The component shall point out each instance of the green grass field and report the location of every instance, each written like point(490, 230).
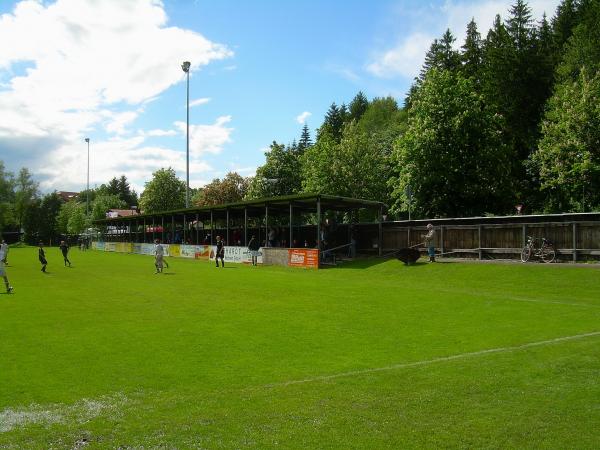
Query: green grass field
point(369, 355)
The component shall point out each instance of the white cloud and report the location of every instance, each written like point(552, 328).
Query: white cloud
point(85, 61)
point(302, 117)
point(199, 101)
point(161, 133)
point(406, 57)
point(208, 138)
point(119, 121)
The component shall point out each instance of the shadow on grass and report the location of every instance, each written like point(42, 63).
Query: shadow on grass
point(366, 263)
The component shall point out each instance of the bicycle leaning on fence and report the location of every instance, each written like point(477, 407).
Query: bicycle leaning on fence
point(545, 251)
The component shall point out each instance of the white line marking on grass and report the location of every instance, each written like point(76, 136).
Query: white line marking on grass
point(485, 296)
point(436, 360)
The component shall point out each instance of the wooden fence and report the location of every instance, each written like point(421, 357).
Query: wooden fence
point(576, 237)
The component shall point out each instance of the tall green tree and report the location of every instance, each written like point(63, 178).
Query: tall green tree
point(103, 203)
point(48, 214)
point(358, 106)
point(7, 196)
point(163, 193)
point(26, 191)
point(305, 140)
point(333, 123)
point(568, 156)
point(280, 175)
point(472, 53)
point(441, 55)
point(232, 188)
point(452, 155)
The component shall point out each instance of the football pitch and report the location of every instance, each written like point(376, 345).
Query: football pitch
point(372, 354)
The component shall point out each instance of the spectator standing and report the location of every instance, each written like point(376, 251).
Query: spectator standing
point(430, 242)
point(253, 247)
point(220, 252)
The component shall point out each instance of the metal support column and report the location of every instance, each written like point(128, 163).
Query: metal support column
point(153, 229)
point(144, 230)
point(172, 228)
point(574, 242)
point(319, 223)
point(380, 219)
point(442, 240)
point(267, 226)
point(212, 227)
point(162, 228)
point(245, 227)
point(197, 225)
point(523, 235)
point(291, 226)
point(183, 241)
point(479, 241)
point(227, 227)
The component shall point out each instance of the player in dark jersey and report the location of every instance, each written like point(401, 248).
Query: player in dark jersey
point(64, 248)
point(220, 252)
point(42, 257)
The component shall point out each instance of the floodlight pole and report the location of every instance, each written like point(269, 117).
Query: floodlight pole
point(186, 68)
point(87, 201)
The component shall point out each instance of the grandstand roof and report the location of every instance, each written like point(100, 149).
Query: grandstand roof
point(299, 202)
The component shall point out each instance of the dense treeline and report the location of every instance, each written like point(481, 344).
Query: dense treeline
point(509, 118)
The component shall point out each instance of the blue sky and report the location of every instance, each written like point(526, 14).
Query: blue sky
point(110, 70)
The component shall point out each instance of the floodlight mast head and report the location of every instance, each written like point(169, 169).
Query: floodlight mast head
point(186, 66)
point(87, 140)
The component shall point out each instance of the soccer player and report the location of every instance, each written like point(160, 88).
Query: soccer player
point(42, 256)
point(220, 252)
point(4, 250)
point(253, 247)
point(9, 288)
point(159, 253)
point(64, 248)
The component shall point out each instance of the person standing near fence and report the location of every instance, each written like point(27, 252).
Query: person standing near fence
point(253, 247)
point(430, 242)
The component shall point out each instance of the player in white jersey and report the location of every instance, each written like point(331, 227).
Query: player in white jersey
point(9, 288)
point(4, 251)
point(159, 253)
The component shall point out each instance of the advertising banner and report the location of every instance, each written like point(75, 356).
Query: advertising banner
point(147, 249)
point(300, 257)
point(137, 249)
point(123, 247)
point(236, 255)
point(194, 251)
point(110, 246)
point(172, 249)
point(202, 251)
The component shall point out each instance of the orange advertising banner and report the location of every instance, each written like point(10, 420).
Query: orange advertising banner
point(300, 257)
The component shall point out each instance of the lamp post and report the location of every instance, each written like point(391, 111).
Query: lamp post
point(87, 193)
point(186, 68)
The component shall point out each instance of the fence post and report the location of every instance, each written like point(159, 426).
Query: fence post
point(442, 240)
point(479, 240)
point(524, 235)
point(574, 242)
